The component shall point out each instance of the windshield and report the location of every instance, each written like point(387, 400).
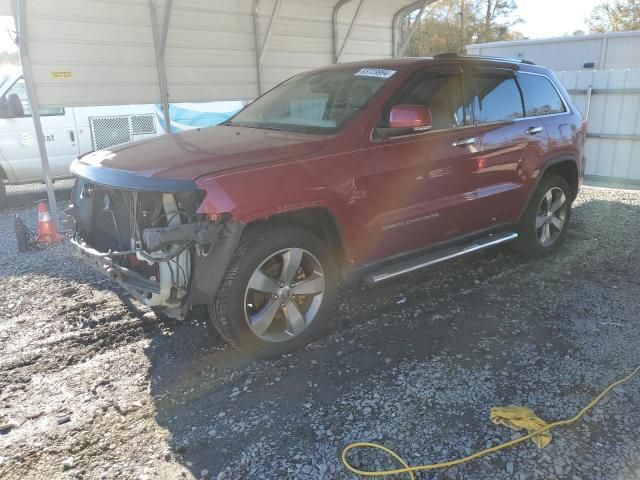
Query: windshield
point(320, 102)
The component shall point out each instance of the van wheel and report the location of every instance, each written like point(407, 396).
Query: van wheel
point(278, 291)
point(3, 195)
point(546, 220)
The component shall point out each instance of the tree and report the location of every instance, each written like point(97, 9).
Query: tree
point(449, 25)
point(615, 16)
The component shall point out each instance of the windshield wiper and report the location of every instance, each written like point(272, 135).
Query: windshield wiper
point(262, 126)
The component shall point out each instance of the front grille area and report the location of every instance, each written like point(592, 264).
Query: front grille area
point(114, 226)
point(113, 219)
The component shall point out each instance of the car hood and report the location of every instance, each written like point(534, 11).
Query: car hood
point(192, 154)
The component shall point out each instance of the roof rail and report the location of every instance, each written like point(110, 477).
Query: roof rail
point(446, 55)
point(483, 57)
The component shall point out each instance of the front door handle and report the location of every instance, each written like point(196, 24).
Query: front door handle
point(463, 142)
point(534, 130)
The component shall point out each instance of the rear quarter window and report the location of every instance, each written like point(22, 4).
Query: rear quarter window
point(540, 96)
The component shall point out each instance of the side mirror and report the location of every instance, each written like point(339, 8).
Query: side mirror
point(14, 107)
point(414, 117)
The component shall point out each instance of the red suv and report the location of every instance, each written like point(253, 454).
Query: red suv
point(356, 171)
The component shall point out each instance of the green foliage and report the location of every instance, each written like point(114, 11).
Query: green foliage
point(615, 16)
point(441, 29)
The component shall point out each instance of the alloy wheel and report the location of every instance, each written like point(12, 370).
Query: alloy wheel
point(284, 294)
point(551, 216)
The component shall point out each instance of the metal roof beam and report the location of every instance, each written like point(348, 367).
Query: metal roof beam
point(267, 37)
point(338, 53)
point(20, 15)
point(160, 34)
point(400, 48)
point(261, 45)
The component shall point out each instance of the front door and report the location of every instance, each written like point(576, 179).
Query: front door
point(19, 145)
point(418, 182)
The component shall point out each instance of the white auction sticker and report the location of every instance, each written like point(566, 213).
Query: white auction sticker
point(375, 72)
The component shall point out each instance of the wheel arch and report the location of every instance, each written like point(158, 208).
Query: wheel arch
point(317, 219)
point(567, 167)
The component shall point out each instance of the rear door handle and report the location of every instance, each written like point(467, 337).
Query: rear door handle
point(463, 142)
point(534, 130)
point(72, 136)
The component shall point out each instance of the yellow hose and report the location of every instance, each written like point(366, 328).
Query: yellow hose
point(433, 466)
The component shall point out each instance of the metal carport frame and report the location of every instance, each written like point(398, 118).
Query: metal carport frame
point(20, 16)
point(159, 51)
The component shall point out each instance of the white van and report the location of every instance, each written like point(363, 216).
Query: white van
point(68, 132)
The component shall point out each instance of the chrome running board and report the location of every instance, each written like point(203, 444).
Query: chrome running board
point(424, 261)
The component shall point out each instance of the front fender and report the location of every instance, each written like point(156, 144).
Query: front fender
point(258, 194)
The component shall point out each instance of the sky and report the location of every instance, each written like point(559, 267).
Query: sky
point(553, 18)
point(6, 44)
point(542, 18)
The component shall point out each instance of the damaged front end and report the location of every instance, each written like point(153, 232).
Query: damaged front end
point(154, 243)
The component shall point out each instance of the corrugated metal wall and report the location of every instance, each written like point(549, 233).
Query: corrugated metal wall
point(101, 52)
point(611, 50)
point(613, 141)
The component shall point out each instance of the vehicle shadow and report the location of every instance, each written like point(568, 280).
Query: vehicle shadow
point(220, 406)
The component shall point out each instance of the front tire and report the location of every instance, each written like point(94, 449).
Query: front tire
point(545, 223)
point(278, 291)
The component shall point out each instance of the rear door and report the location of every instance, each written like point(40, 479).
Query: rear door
point(509, 145)
point(19, 144)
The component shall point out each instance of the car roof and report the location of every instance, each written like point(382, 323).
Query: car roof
point(442, 59)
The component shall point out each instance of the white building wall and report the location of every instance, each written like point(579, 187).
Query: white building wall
point(611, 50)
point(5, 8)
point(612, 148)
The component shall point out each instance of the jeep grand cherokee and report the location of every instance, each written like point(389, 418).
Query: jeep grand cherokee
point(356, 171)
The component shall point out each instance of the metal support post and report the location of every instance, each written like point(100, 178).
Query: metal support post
point(261, 45)
point(20, 15)
point(160, 34)
point(340, 53)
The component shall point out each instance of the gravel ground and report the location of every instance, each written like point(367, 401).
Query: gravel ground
point(93, 385)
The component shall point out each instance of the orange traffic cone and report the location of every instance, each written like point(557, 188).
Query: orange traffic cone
point(46, 229)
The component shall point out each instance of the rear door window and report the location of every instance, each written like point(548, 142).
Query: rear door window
point(540, 96)
point(497, 98)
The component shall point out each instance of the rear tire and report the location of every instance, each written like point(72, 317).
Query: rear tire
point(277, 293)
point(546, 220)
